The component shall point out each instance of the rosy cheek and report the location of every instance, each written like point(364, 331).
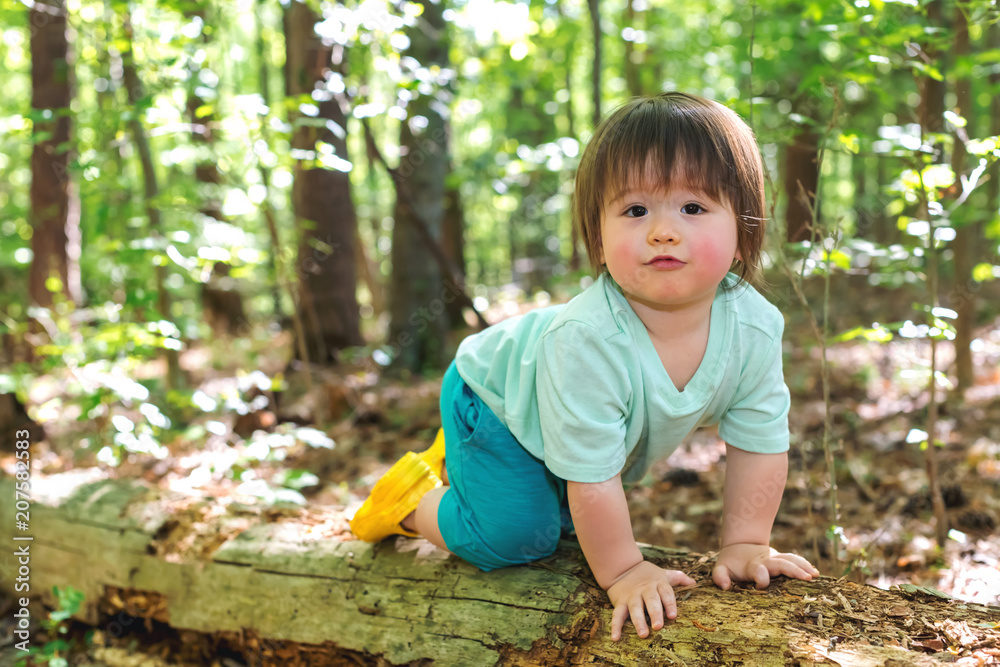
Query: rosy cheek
point(709, 253)
point(618, 250)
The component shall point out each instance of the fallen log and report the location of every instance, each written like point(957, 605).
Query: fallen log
point(289, 585)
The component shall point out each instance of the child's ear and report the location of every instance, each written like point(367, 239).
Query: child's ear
point(739, 255)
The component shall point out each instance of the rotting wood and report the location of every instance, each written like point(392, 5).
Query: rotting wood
point(276, 583)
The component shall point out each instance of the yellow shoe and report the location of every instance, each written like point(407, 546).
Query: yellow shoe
point(435, 455)
point(394, 496)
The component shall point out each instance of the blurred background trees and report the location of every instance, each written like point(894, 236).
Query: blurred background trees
point(360, 174)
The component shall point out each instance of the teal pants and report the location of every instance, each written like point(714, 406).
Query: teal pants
point(503, 507)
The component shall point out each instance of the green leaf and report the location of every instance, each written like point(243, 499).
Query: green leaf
point(850, 142)
point(984, 272)
point(982, 146)
point(840, 259)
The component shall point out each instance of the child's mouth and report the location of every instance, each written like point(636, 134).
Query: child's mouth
point(665, 262)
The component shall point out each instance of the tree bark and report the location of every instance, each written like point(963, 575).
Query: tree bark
point(321, 194)
point(55, 216)
point(993, 184)
point(264, 84)
point(283, 586)
point(931, 114)
point(574, 231)
point(419, 325)
point(454, 279)
point(632, 81)
point(801, 184)
point(968, 235)
point(595, 70)
point(453, 244)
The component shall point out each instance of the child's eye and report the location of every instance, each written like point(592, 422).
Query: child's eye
point(636, 211)
point(693, 209)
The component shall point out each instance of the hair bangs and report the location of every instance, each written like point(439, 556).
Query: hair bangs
point(655, 151)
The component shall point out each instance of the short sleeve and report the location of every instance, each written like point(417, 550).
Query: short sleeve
point(583, 398)
point(757, 421)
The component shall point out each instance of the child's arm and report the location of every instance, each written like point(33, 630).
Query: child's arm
point(753, 488)
point(604, 528)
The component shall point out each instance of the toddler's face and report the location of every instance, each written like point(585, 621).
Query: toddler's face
point(668, 249)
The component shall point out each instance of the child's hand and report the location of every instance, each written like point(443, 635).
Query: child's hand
point(644, 588)
point(756, 562)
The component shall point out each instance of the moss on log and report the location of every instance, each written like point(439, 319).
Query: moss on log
point(275, 583)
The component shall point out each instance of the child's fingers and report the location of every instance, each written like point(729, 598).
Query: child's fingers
point(721, 577)
point(654, 607)
point(790, 569)
point(638, 614)
point(801, 562)
point(669, 601)
point(618, 620)
point(678, 578)
point(761, 576)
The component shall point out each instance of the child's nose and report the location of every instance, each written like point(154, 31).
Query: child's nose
point(663, 230)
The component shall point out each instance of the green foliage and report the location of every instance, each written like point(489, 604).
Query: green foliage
point(54, 651)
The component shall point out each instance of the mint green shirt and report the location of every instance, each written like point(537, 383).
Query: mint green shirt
point(582, 388)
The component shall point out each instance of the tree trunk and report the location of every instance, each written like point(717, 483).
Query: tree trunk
point(372, 269)
point(55, 217)
point(453, 244)
point(321, 194)
point(931, 114)
point(264, 84)
point(136, 100)
point(801, 183)
point(632, 81)
point(574, 232)
point(968, 235)
point(993, 184)
point(418, 315)
point(595, 71)
point(202, 118)
point(289, 586)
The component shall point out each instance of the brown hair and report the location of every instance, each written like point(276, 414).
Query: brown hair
point(679, 135)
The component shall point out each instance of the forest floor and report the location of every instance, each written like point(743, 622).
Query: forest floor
point(260, 444)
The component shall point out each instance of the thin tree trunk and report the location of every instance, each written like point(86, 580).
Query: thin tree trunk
point(931, 114)
point(801, 183)
point(55, 218)
point(595, 71)
point(376, 287)
point(264, 84)
point(453, 244)
point(322, 195)
point(632, 81)
point(281, 279)
point(418, 315)
point(967, 236)
point(574, 231)
point(151, 188)
point(993, 184)
point(202, 118)
point(107, 217)
point(515, 112)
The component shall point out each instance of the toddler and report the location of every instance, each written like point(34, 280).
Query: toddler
point(546, 415)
